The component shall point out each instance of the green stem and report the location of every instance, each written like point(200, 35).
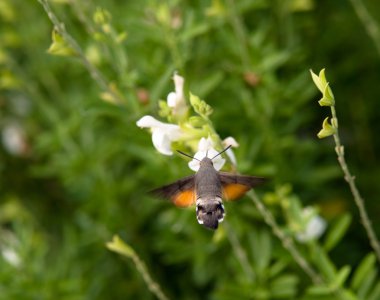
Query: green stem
point(339, 149)
point(117, 245)
point(287, 242)
point(368, 22)
point(95, 73)
point(152, 285)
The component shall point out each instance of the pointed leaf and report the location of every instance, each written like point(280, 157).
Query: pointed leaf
point(341, 277)
point(328, 94)
point(59, 46)
point(375, 294)
point(363, 270)
point(317, 81)
point(119, 246)
point(322, 78)
point(337, 231)
point(367, 284)
point(284, 286)
point(276, 268)
point(327, 129)
point(319, 290)
point(324, 264)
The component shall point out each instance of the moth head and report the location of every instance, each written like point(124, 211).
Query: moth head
point(210, 212)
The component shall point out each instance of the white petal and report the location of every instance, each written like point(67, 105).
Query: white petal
point(11, 257)
point(218, 163)
point(200, 155)
point(315, 227)
point(13, 138)
point(205, 144)
point(178, 83)
point(161, 141)
point(174, 132)
point(171, 130)
point(148, 122)
point(231, 156)
point(230, 141)
point(172, 99)
point(205, 148)
point(194, 165)
point(211, 152)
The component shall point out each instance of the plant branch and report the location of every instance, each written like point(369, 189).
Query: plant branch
point(94, 72)
point(152, 285)
point(368, 22)
point(287, 242)
point(339, 149)
point(119, 246)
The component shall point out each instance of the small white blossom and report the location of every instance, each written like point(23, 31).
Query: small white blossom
point(13, 138)
point(163, 134)
point(176, 100)
point(11, 257)
point(230, 141)
point(205, 147)
point(314, 228)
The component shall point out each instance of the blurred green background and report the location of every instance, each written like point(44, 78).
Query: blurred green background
point(75, 168)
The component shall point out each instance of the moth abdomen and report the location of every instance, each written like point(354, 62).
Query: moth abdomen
point(210, 212)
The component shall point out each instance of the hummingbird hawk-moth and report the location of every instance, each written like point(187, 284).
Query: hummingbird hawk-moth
point(206, 189)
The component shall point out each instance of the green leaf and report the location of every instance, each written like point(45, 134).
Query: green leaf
point(367, 284)
point(317, 80)
point(328, 97)
point(341, 276)
point(328, 94)
point(264, 248)
point(59, 46)
point(363, 270)
point(196, 121)
point(319, 290)
point(8, 80)
point(284, 286)
point(119, 246)
point(327, 129)
point(200, 106)
point(337, 231)
point(375, 294)
point(325, 265)
point(322, 78)
point(276, 268)
point(194, 31)
point(164, 110)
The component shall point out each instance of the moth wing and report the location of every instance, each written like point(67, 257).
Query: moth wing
point(181, 192)
point(235, 186)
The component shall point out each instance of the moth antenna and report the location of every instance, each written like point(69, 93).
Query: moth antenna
point(184, 154)
point(222, 151)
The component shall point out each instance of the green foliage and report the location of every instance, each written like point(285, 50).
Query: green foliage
point(75, 168)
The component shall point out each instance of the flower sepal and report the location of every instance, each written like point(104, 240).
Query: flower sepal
point(327, 129)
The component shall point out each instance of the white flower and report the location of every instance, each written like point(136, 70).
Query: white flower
point(176, 100)
point(230, 141)
point(314, 228)
point(163, 134)
point(11, 257)
point(14, 140)
point(205, 147)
